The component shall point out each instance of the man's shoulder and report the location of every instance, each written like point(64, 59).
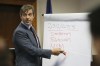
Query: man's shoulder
point(19, 29)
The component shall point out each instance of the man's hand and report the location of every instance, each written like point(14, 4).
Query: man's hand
point(57, 51)
point(64, 53)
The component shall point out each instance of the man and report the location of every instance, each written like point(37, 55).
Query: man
point(94, 18)
point(27, 46)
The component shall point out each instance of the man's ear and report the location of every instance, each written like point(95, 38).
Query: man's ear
point(21, 17)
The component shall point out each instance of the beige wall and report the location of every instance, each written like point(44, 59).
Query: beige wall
point(87, 5)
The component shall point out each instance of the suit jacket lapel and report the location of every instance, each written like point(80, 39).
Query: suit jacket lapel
point(30, 34)
point(36, 37)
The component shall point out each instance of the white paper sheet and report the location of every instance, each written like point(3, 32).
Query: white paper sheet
point(72, 35)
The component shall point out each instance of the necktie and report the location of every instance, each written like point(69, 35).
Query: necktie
point(36, 37)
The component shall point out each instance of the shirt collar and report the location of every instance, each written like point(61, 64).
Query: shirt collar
point(27, 25)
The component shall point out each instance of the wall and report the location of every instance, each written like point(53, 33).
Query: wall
point(87, 5)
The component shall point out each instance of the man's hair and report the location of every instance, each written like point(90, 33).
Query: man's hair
point(25, 8)
point(94, 18)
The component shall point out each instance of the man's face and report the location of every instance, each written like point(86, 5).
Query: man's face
point(27, 16)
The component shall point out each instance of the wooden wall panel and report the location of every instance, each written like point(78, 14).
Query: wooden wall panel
point(35, 19)
point(9, 19)
point(17, 2)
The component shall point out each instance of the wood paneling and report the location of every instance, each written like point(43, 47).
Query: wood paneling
point(9, 18)
point(17, 2)
point(35, 19)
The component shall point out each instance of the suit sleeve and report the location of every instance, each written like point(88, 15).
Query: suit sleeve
point(22, 40)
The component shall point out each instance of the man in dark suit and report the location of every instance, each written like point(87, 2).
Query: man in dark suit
point(94, 18)
point(27, 46)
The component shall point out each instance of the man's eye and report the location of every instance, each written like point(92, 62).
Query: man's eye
point(30, 14)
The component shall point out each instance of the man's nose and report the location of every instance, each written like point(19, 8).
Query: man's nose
point(27, 16)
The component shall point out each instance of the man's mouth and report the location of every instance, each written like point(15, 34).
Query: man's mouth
point(28, 21)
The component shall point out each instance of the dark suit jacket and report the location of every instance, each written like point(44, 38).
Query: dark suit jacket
point(27, 51)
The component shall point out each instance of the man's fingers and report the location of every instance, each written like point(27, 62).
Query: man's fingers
point(61, 51)
point(64, 53)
